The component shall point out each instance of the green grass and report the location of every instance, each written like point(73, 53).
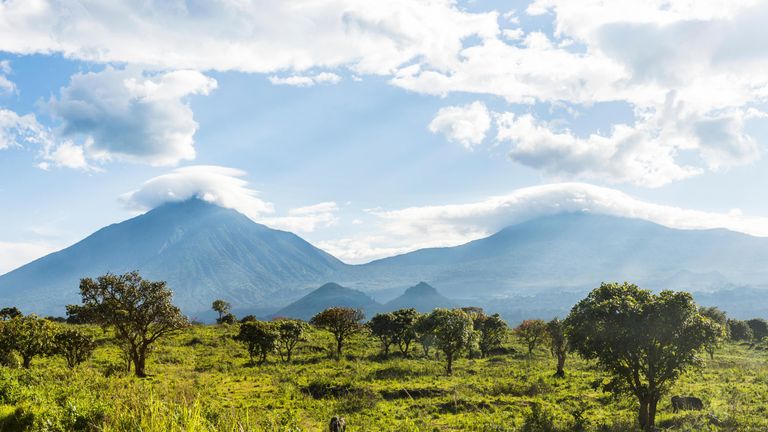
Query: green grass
point(201, 381)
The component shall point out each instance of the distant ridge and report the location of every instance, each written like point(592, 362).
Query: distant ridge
point(422, 297)
point(329, 295)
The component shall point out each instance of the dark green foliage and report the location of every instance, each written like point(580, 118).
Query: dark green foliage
point(405, 333)
point(532, 333)
point(452, 329)
point(558, 344)
point(248, 318)
point(228, 319)
point(721, 319)
point(289, 333)
point(74, 345)
point(382, 326)
point(259, 338)
point(29, 336)
point(7, 313)
point(342, 322)
point(759, 328)
point(139, 311)
point(644, 340)
point(423, 327)
point(222, 308)
point(492, 332)
point(739, 330)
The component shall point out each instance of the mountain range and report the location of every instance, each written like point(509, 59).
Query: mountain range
point(206, 252)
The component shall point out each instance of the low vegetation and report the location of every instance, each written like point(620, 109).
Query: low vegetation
point(633, 364)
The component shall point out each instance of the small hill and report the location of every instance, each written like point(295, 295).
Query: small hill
point(422, 297)
point(329, 295)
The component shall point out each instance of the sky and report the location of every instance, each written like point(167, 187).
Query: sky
point(374, 128)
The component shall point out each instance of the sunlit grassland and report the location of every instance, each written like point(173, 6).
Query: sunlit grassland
point(201, 381)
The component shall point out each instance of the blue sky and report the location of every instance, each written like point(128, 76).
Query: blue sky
point(373, 128)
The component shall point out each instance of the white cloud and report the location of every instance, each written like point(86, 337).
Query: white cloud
point(226, 187)
point(306, 80)
point(218, 185)
point(466, 124)
point(17, 130)
point(369, 36)
point(408, 229)
point(6, 85)
point(132, 116)
point(16, 254)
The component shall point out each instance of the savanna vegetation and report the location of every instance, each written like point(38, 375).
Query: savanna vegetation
point(127, 360)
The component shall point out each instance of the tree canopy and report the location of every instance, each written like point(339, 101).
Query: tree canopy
point(342, 322)
point(644, 340)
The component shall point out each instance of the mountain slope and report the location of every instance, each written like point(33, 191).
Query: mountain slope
point(422, 297)
point(576, 251)
point(328, 295)
point(203, 251)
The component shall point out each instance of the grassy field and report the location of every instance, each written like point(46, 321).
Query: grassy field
point(201, 381)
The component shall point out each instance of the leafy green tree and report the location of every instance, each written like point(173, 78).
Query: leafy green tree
point(29, 336)
point(383, 327)
point(222, 308)
point(74, 345)
point(342, 322)
point(452, 329)
point(140, 311)
point(759, 328)
point(405, 333)
point(423, 327)
point(259, 338)
point(532, 333)
point(644, 340)
point(558, 344)
point(289, 333)
point(8, 313)
point(721, 319)
point(739, 330)
point(228, 319)
point(248, 318)
point(492, 332)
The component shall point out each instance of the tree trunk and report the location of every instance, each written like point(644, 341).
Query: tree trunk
point(652, 413)
point(560, 366)
point(643, 415)
point(339, 344)
point(449, 357)
point(139, 361)
point(26, 361)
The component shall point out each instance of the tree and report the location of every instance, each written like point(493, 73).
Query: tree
point(222, 308)
point(140, 311)
point(492, 332)
point(74, 345)
point(452, 329)
point(739, 330)
point(721, 319)
point(289, 333)
point(382, 326)
point(532, 333)
point(30, 336)
point(228, 318)
point(342, 322)
point(8, 313)
point(759, 328)
point(259, 337)
point(558, 344)
point(644, 340)
point(404, 320)
point(423, 327)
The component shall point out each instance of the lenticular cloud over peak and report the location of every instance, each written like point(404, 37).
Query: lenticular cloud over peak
point(218, 185)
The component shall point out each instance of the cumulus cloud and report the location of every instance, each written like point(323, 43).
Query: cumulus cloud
point(408, 229)
point(369, 36)
point(306, 219)
point(465, 124)
point(306, 80)
point(129, 115)
point(17, 130)
point(6, 85)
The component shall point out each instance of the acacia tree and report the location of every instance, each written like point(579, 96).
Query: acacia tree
point(30, 336)
point(383, 327)
point(405, 333)
point(492, 332)
point(259, 337)
point(140, 311)
point(558, 344)
point(532, 333)
point(452, 329)
point(644, 340)
point(74, 345)
point(289, 333)
point(222, 308)
point(342, 322)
